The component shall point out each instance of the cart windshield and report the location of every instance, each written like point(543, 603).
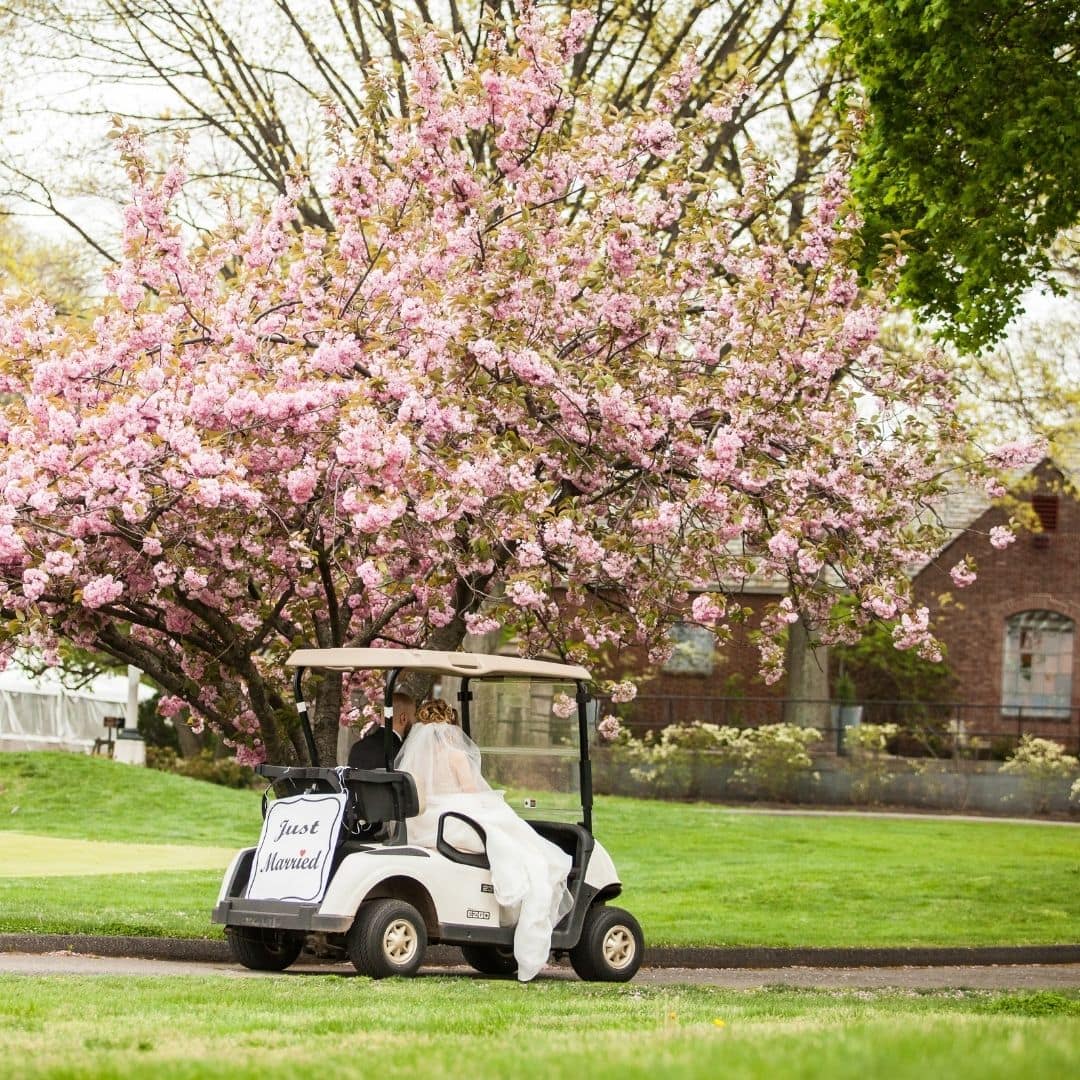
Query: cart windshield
point(526, 748)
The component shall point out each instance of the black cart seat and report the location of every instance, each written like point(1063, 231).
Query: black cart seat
point(374, 794)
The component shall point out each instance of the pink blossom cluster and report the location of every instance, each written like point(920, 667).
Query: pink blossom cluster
point(962, 575)
point(1001, 536)
point(1017, 454)
point(608, 729)
point(563, 706)
point(912, 633)
point(707, 610)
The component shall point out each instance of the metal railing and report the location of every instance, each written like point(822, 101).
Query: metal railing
point(927, 729)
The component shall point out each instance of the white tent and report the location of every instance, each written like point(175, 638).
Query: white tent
point(38, 712)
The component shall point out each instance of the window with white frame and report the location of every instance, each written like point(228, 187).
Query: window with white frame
point(694, 651)
point(1038, 664)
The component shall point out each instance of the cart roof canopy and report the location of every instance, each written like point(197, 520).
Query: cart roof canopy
point(462, 665)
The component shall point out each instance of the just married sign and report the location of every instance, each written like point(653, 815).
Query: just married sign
point(292, 861)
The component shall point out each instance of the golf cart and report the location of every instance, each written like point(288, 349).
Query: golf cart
point(320, 876)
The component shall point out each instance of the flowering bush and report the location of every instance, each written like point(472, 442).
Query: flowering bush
point(764, 762)
point(1043, 765)
point(674, 761)
point(865, 745)
point(869, 740)
point(772, 757)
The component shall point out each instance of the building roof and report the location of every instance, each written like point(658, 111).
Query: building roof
point(958, 510)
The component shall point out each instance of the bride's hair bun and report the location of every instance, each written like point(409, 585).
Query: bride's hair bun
point(437, 712)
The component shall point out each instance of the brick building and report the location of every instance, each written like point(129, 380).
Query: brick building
point(703, 682)
point(1011, 636)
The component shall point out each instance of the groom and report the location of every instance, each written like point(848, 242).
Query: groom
point(368, 752)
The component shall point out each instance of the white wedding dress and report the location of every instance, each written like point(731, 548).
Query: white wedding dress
point(528, 873)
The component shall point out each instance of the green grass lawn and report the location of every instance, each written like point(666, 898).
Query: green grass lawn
point(33, 855)
point(693, 874)
point(451, 1027)
point(93, 798)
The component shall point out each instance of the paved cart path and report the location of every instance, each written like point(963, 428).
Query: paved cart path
point(996, 977)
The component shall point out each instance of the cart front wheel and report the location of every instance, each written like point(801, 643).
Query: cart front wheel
point(490, 959)
point(262, 949)
point(611, 946)
point(388, 938)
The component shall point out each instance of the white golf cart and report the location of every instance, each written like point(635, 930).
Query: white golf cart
point(320, 874)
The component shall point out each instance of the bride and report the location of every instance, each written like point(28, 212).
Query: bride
point(527, 871)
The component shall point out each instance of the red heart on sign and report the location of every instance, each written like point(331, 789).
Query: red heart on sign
point(302, 850)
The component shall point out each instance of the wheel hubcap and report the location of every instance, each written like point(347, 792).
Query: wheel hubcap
point(618, 947)
point(399, 941)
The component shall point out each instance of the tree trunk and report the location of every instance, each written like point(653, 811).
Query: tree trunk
point(445, 639)
point(326, 716)
point(807, 701)
point(190, 743)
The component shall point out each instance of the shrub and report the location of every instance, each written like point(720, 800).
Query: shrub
point(763, 762)
point(869, 740)
point(677, 760)
point(867, 751)
point(156, 729)
point(203, 766)
point(772, 757)
point(1042, 764)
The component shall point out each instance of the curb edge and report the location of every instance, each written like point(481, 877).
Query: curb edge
point(205, 950)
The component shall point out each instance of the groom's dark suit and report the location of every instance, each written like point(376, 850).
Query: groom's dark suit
point(367, 752)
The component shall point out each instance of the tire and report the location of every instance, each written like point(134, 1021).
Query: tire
point(387, 938)
point(611, 946)
point(490, 959)
point(262, 949)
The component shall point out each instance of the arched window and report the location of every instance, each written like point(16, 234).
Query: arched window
point(1038, 663)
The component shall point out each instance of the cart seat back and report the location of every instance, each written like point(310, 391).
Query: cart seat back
point(381, 794)
point(375, 795)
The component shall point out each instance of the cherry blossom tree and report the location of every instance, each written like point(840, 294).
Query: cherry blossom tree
point(537, 393)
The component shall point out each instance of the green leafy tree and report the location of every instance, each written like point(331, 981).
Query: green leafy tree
point(901, 693)
point(1030, 382)
point(971, 149)
point(33, 266)
point(873, 670)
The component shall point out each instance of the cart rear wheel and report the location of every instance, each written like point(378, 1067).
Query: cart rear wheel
point(611, 946)
point(490, 959)
point(262, 949)
point(388, 938)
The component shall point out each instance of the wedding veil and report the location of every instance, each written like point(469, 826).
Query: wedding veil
point(443, 761)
